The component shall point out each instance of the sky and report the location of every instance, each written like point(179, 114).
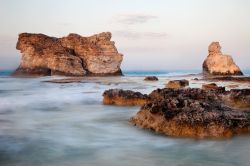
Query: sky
point(151, 34)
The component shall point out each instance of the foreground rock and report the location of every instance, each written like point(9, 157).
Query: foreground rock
point(124, 97)
point(177, 84)
point(73, 55)
point(191, 113)
point(238, 99)
point(218, 64)
point(151, 78)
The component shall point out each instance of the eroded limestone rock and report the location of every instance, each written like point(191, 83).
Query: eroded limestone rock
point(73, 55)
point(191, 113)
point(218, 64)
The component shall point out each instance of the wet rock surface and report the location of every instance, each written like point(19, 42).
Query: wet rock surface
point(151, 78)
point(192, 113)
point(238, 99)
point(218, 64)
point(73, 55)
point(176, 84)
point(124, 97)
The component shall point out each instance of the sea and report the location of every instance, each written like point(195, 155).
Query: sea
point(49, 124)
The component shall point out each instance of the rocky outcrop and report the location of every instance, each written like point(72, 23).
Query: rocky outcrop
point(191, 113)
point(73, 55)
point(218, 64)
point(124, 97)
point(151, 78)
point(212, 86)
point(176, 84)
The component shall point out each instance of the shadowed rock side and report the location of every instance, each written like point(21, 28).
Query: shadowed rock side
point(218, 64)
point(124, 97)
point(73, 55)
point(191, 113)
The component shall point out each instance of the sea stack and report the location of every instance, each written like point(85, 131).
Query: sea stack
point(73, 55)
point(218, 64)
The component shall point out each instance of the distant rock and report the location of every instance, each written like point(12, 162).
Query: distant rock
point(239, 79)
point(73, 55)
point(218, 64)
point(212, 86)
point(151, 78)
point(124, 97)
point(176, 84)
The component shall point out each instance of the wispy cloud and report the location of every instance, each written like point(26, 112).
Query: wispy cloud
point(131, 19)
point(139, 35)
point(64, 24)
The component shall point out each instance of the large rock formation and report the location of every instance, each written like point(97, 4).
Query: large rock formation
point(218, 64)
point(73, 55)
point(192, 113)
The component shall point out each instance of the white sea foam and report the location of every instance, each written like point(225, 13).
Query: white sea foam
point(66, 124)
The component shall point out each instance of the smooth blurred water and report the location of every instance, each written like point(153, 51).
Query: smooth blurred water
point(66, 124)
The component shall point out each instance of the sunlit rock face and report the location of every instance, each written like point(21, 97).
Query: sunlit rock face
point(73, 55)
point(177, 84)
point(218, 64)
point(124, 97)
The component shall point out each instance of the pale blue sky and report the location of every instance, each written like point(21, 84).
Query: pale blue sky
point(152, 34)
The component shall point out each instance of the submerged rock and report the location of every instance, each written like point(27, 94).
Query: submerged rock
point(124, 97)
point(176, 84)
point(151, 78)
point(218, 64)
point(65, 80)
point(73, 55)
point(191, 113)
